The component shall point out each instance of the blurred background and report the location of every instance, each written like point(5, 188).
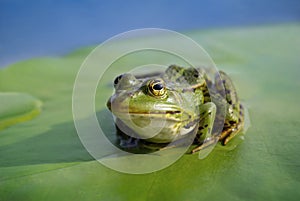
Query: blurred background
point(48, 28)
point(44, 159)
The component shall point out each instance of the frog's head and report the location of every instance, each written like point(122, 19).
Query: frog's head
point(151, 108)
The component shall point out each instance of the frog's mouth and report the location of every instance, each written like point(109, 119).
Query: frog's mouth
point(160, 111)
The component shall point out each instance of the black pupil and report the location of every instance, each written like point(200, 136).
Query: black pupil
point(158, 86)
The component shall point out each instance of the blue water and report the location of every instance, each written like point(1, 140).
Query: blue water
point(48, 28)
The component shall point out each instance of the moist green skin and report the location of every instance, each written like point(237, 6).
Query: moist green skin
point(166, 107)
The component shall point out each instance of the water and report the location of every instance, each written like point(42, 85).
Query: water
point(49, 28)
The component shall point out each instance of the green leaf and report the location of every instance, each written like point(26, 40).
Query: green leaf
point(43, 158)
point(16, 108)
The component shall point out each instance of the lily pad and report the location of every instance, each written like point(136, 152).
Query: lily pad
point(17, 107)
point(43, 158)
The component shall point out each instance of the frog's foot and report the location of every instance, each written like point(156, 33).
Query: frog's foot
point(231, 129)
point(130, 142)
point(207, 143)
point(123, 140)
point(230, 132)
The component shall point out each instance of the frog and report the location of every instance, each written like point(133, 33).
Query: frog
point(161, 108)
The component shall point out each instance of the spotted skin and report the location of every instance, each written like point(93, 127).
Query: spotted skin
point(189, 82)
point(234, 119)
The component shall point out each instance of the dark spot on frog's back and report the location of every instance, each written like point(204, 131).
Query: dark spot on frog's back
point(232, 122)
point(175, 67)
point(178, 79)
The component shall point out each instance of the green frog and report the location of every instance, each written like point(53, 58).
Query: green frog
point(165, 107)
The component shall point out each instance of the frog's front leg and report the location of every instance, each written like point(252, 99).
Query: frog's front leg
point(204, 136)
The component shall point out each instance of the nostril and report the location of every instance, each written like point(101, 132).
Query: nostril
point(117, 79)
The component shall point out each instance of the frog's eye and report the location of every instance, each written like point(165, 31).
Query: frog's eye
point(157, 87)
point(117, 79)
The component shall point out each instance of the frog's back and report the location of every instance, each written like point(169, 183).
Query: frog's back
point(183, 78)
